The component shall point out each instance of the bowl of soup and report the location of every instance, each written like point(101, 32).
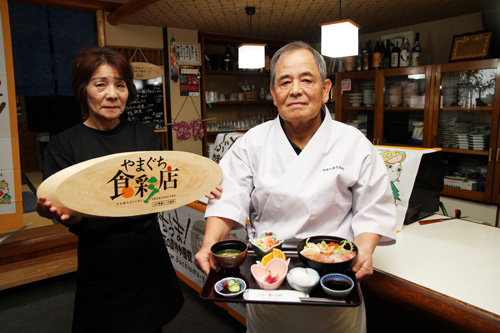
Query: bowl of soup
point(229, 254)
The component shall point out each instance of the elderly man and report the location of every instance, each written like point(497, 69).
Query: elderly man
point(300, 175)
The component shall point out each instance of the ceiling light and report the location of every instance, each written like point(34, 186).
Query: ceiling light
point(339, 38)
point(251, 55)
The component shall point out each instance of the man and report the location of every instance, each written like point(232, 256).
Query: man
point(301, 175)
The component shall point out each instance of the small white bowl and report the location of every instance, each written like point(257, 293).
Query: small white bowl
point(334, 292)
point(218, 287)
point(291, 277)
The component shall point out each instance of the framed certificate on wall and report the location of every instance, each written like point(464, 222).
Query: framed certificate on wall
point(470, 46)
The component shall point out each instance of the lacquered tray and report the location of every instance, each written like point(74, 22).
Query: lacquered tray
point(316, 295)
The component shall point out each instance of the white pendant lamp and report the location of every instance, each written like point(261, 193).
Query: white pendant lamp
point(251, 55)
point(339, 38)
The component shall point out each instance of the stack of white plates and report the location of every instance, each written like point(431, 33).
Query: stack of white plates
point(355, 99)
point(447, 133)
point(479, 140)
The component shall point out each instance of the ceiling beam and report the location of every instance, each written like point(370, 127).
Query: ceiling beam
point(92, 5)
point(120, 15)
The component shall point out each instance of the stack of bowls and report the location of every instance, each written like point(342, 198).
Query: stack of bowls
point(355, 99)
point(395, 95)
point(368, 90)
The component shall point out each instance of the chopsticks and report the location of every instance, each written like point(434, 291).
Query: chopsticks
point(458, 214)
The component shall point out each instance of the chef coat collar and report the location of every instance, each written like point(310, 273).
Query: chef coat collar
point(294, 146)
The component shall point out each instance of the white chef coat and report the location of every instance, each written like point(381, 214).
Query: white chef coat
point(337, 185)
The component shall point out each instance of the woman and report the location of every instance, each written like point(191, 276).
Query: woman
point(125, 280)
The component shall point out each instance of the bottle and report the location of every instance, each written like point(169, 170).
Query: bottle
point(405, 55)
point(350, 63)
point(366, 56)
point(359, 58)
point(387, 54)
point(228, 59)
point(395, 55)
point(378, 56)
point(267, 66)
point(416, 51)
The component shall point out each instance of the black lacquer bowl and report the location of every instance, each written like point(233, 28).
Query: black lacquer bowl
point(322, 267)
point(230, 262)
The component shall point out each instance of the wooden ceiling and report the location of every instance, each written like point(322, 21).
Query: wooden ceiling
point(288, 20)
point(283, 20)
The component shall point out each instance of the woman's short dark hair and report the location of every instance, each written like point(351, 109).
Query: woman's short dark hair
point(88, 60)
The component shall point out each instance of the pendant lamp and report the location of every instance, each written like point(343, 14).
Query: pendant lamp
point(251, 55)
point(339, 38)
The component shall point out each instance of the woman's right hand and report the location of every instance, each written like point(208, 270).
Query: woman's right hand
point(45, 209)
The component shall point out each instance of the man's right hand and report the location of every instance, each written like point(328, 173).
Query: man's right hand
point(204, 261)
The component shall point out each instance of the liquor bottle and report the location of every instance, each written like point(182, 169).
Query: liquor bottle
point(267, 65)
point(395, 55)
point(350, 63)
point(378, 55)
point(416, 51)
point(387, 54)
point(228, 59)
point(359, 58)
point(366, 56)
point(405, 55)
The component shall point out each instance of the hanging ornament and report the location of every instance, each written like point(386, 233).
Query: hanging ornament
point(198, 131)
point(174, 71)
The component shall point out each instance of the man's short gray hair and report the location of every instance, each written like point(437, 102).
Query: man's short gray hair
point(320, 61)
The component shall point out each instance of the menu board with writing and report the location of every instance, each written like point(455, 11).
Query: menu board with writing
point(149, 106)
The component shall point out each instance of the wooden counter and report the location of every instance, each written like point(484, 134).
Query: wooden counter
point(441, 276)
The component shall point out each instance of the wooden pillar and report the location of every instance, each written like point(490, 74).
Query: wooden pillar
point(101, 31)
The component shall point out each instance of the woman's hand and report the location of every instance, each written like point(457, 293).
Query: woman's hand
point(216, 193)
point(45, 209)
point(203, 259)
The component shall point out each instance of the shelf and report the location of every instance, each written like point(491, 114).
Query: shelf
point(402, 108)
point(464, 151)
point(461, 108)
point(245, 73)
point(369, 108)
point(241, 102)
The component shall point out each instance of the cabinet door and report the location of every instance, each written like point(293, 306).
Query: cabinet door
point(467, 127)
point(356, 106)
point(406, 106)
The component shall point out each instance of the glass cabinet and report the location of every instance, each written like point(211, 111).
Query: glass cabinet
point(467, 128)
point(391, 107)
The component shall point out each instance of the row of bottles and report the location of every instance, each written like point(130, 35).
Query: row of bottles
point(391, 54)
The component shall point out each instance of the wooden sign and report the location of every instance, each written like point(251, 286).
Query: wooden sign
point(145, 70)
point(129, 184)
point(470, 46)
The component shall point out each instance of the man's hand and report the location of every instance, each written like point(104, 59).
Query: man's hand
point(366, 243)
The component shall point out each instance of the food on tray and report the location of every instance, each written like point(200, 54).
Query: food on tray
point(276, 253)
point(268, 241)
point(231, 285)
point(329, 252)
point(228, 252)
point(271, 278)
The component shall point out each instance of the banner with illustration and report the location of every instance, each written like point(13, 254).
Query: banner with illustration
point(402, 167)
point(11, 211)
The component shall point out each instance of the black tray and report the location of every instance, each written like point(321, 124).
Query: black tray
point(244, 273)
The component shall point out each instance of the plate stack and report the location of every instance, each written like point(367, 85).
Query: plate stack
point(479, 140)
point(447, 133)
point(355, 99)
point(359, 124)
point(368, 91)
point(462, 131)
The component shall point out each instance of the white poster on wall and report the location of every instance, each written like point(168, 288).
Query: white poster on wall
point(7, 188)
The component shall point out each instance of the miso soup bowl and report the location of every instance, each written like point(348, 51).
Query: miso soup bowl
point(233, 261)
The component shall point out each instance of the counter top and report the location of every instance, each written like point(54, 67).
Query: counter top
point(456, 258)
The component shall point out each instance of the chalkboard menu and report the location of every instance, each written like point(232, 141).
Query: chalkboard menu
point(148, 107)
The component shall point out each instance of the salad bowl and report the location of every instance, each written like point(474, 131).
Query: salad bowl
point(265, 242)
